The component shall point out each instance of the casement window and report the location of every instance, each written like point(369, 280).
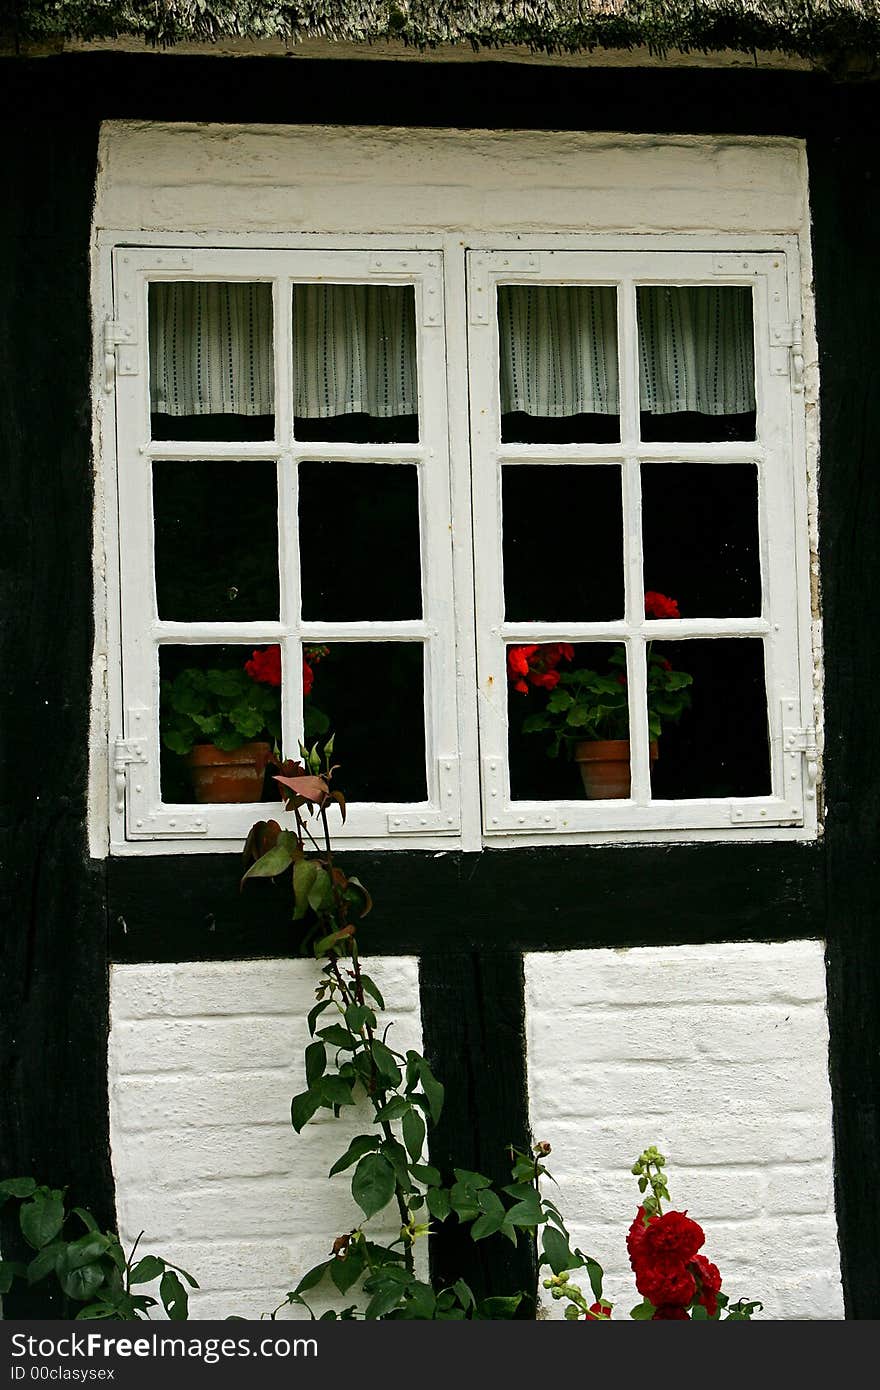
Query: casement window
point(290, 458)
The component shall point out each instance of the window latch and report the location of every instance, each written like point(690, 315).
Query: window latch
point(125, 752)
point(117, 360)
point(790, 336)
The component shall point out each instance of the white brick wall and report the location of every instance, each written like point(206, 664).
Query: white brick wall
point(204, 1060)
point(718, 1055)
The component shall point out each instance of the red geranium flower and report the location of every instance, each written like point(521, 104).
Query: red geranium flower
point(265, 666)
point(659, 606)
point(535, 664)
point(308, 678)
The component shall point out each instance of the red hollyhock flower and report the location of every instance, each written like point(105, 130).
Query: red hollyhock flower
point(636, 1235)
point(597, 1313)
point(670, 1312)
point(265, 666)
point(659, 606)
point(708, 1283)
point(673, 1236)
point(665, 1282)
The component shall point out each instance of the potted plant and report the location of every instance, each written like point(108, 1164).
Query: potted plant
point(226, 722)
point(587, 711)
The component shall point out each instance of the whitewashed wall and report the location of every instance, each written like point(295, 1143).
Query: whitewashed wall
point(718, 1055)
point(204, 1060)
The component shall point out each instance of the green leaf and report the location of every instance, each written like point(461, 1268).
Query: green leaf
point(42, 1218)
point(334, 1090)
point(82, 1282)
point(373, 1183)
point(10, 1270)
point(425, 1173)
point(433, 1090)
point(595, 1275)
point(358, 1016)
point(316, 1062)
point(474, 1180)
point(463, 1293)
point(396, 1109)
point(527, 1213)
point(303, 1107)
point(487, 1225)
point(276, 859)
point(360, 1145)
point(698, 1313)
point(413, 1133)
point(44, 1263)
point(86, 1218)
point(310, 1279)
point(174, 1297)
point(85, 1250)
point(384, 1300)
point(337, 1036)
point(304, 874)
point(315, 1013)
point(643, 1312)
point(346, 1270)
point(370, 988)
point(386, 1064)
point(148, 1268)
point(320, 895)
point(396, 1155)
point(498, 1307)
point(17, 1187)
point(438, 1202)
point(556, 1253)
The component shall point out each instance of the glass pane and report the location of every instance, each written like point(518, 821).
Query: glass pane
point(696, 362)
point(216, 536)
point(370, 695)
point(563, 542)
point(718, 744)
point(700, 534)
point(354, 363)
point(359, 541)
point(558, 364)
point(568, 721)
point(212, 373)
point(219, 720)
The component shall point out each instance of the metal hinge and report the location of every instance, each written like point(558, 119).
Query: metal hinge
point(427, 271)
point(787, 352)
point(804, 741)
point(433, 821)
point(120, 352)
point(481, 264)
point(498, 818)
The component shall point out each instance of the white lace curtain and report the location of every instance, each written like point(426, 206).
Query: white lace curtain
point(355, 350)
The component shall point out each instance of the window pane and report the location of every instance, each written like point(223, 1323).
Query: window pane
point(562, 543)
point(370, 695)
point(700, 534)
point(563, 700)
point(219, 719)
point(354, 363)
point(719, 745)
point(212, 373)
point(359, 541)
point(216, 536)
point(696, 362)
point(558, 364)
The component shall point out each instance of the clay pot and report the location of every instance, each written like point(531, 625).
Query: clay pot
point(219, 776)
point(604, 765)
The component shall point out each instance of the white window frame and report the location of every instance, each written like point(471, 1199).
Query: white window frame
point(468, 806)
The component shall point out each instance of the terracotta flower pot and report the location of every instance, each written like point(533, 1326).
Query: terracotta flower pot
point(219, 776)
point(604, 765)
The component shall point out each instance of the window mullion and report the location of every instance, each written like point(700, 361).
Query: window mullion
point(288, 526)
point(634, 597)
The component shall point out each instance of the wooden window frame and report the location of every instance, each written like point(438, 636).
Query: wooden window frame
point(468, 805)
